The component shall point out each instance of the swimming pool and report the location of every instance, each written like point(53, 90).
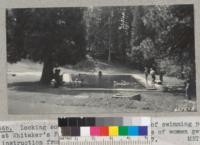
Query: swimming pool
point(106, 81)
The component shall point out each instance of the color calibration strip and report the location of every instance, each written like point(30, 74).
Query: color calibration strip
point(105, 131)
point(103, 127)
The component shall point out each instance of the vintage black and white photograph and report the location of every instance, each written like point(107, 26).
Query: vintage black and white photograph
point(111, 59)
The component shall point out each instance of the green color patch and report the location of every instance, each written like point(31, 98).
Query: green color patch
point(123, 130)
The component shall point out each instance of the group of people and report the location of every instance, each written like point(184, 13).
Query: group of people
point(59, 79)
point(152, 72)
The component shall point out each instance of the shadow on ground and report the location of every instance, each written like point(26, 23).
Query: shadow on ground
point(37, 87)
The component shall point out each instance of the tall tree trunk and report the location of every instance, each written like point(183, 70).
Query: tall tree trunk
point(47, 72)
point(109, 42)
point(109, 39)
point(136, 25)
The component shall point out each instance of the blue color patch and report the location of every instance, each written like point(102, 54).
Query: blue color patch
point(143, 130)
point(133, 130)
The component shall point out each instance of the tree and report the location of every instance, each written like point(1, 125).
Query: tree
point(163, 32)
point(109, 32)
point(53, 36)
point(173, 28)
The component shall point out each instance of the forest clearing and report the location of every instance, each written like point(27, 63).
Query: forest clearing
point(122, 59)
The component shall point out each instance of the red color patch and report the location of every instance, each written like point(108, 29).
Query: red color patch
point(104, 131)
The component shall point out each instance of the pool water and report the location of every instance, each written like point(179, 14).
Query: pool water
point(107, 81)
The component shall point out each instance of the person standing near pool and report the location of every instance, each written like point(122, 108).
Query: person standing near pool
point(153, 76)
point(188, 83)
point(161, 75)
point(146, 73)
point(58, 78)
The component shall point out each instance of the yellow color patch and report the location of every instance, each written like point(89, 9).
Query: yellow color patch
point(113, 130)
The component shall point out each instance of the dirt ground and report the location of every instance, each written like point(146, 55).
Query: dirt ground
point(27, 96)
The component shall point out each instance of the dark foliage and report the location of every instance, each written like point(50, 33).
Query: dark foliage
point(53, 36)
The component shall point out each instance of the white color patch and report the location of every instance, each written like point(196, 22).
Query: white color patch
point(85, 131)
